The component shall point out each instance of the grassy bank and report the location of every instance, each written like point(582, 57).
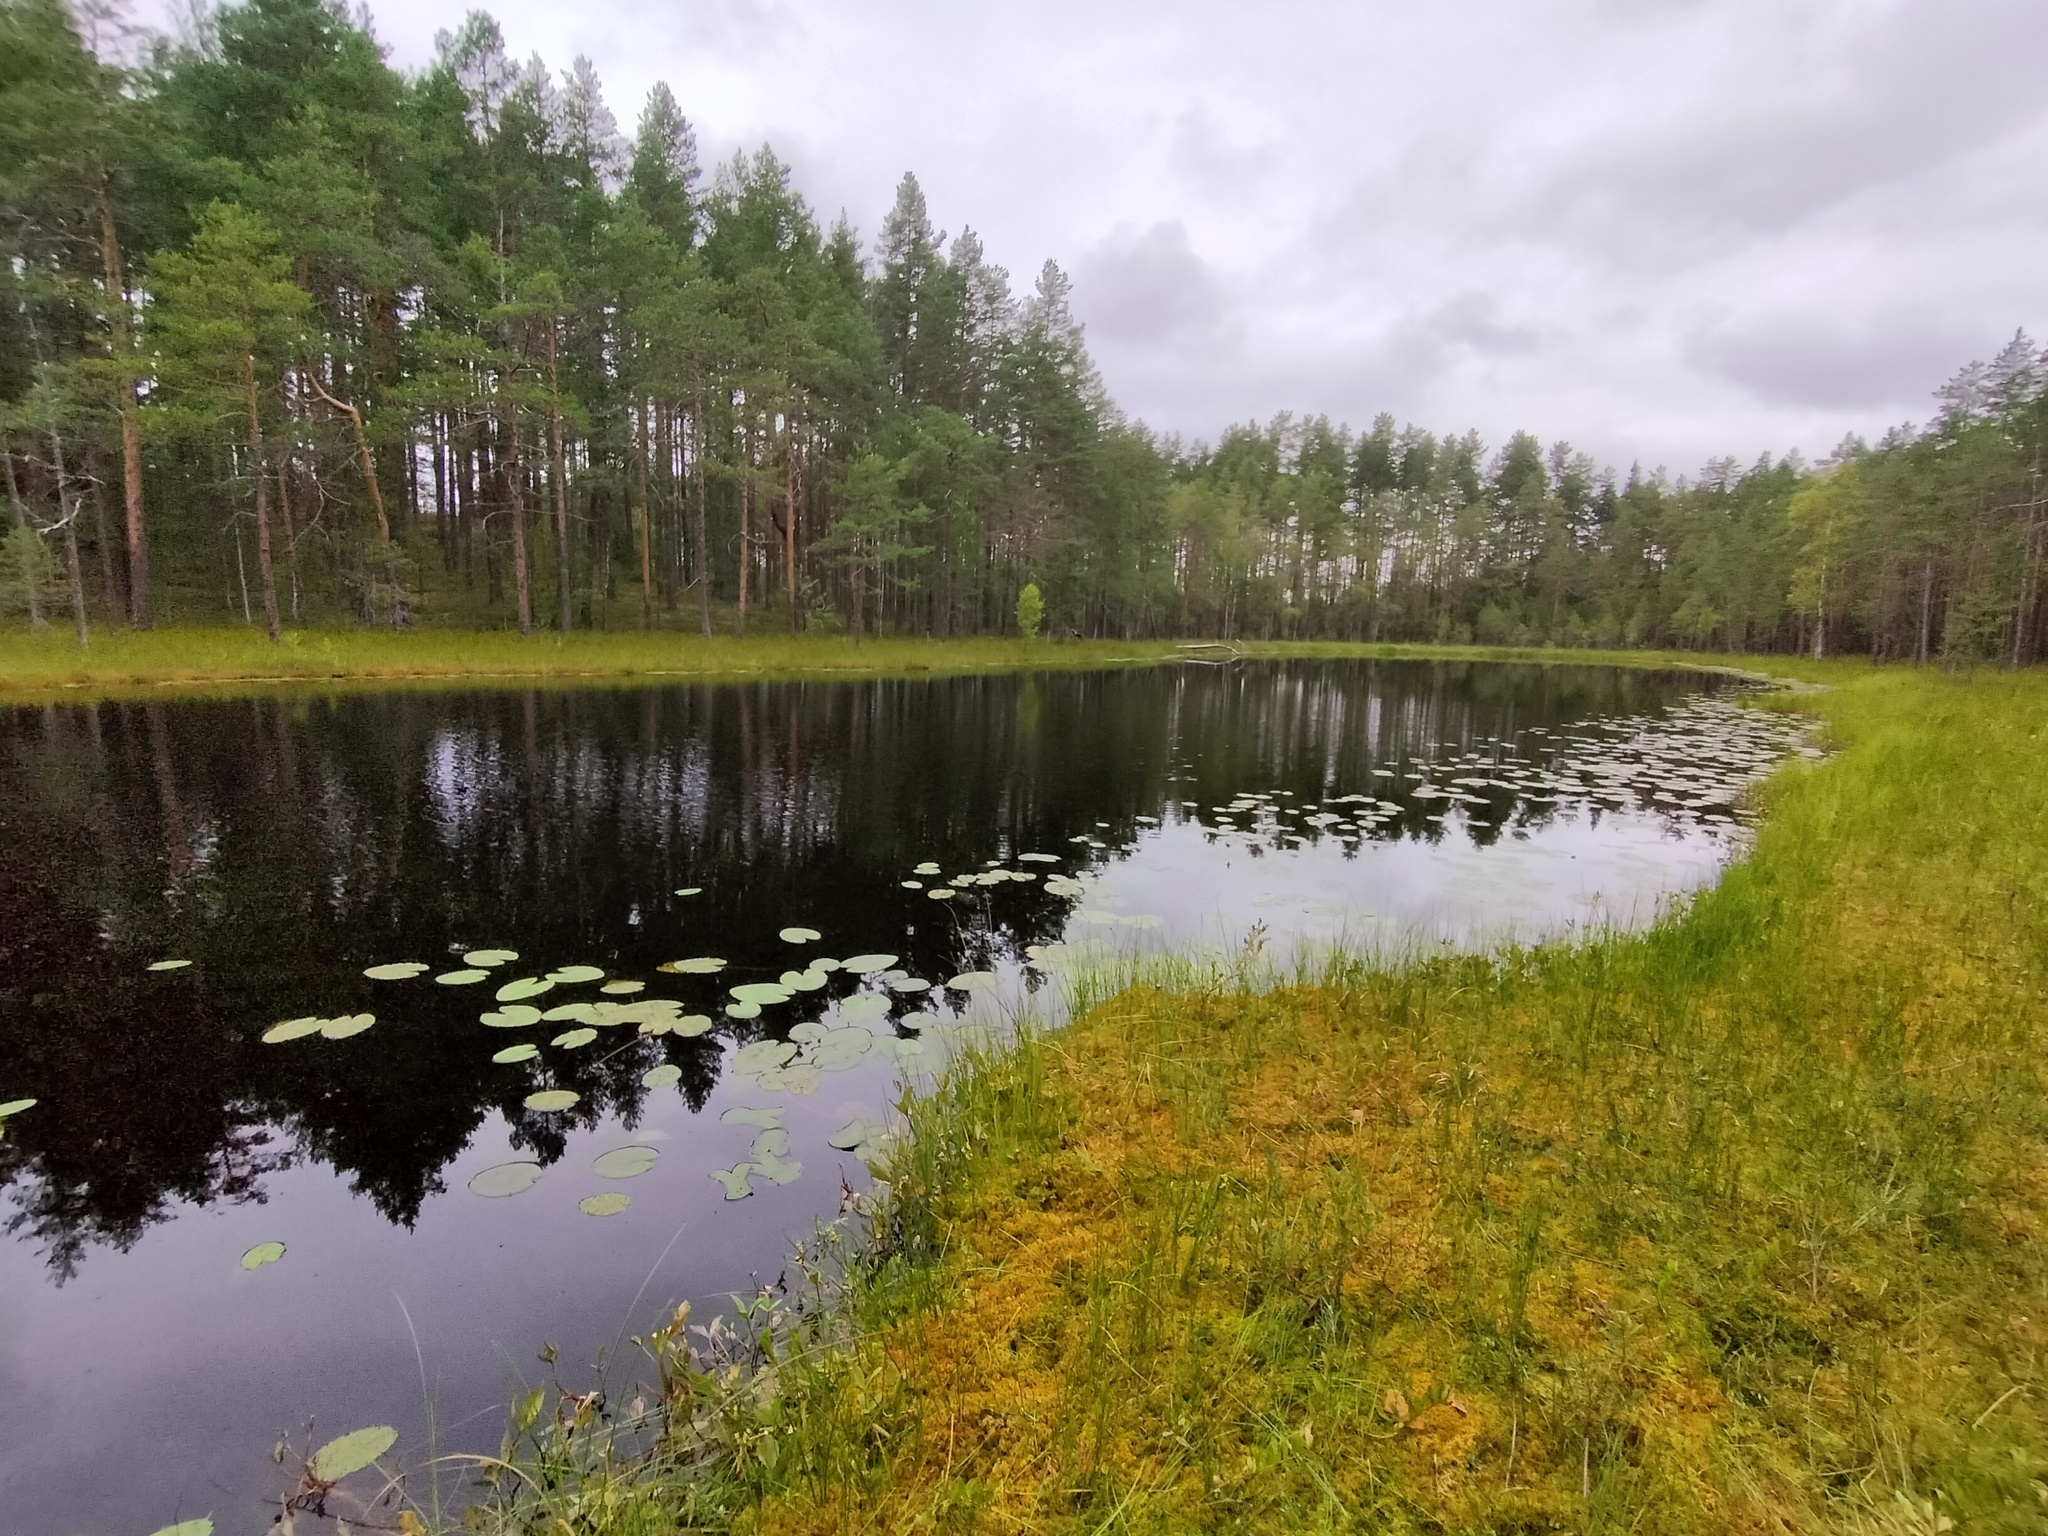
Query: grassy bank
point(181, 661)
point(1735, 1225)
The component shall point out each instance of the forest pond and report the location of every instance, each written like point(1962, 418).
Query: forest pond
point(376, 1039)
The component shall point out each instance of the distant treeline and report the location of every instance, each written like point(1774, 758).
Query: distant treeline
point(292, 335)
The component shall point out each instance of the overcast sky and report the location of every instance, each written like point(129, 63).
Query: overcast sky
point(1661, 229)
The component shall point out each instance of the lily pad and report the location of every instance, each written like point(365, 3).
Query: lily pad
point(293, 1029)
point(580, 1013)
point(262, 1254)
point(503, 1179)
point(552, 1100)
point(575, 975)
point(169, 965)
point(625, 1162)
point(926, 868)
point(913, 885)
point(743, 1010)
point(797, 1077)
point(352, 1452)
point(16, 1106)
point(762, 992)
point(853, 1133)
point(513, 1016)
point(735, 1180)
point(525, 986)
point(1039, 858)
point(396, 970)
point(973, 981)
point(462, 978)
point(570, 1039)
point(909, 984)
point(525, 1050)
point(867, 965)
point(350, 1024)
point(801, 935)
point(803, 981)
point(490, 957)
point(942, 893)
point(762, 1055)
point(700, 965)
point(760, 1119)
point(610, 1203)
point(691, 890)
point(862, 1006)
point(781, 1170)
point(622, 988)
point(809, 1031)
point(773, 1142)
point(693, 1024)
point(660, 1077)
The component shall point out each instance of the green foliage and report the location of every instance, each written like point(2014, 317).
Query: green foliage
point(1030, 611)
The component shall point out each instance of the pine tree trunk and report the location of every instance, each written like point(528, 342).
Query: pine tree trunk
point(646, 526)
point(515, 481)
point(746, 519)
point(789, 520)
point(68, 516)
point(35, 597)
point(265, 572)
point(703, 519)
point(131, 422)
point(559, 477)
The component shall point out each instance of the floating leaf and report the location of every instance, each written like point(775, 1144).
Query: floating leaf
point(169, 965)
point(490, 957)
point(461, 978)
point(16, 1106)
point(760, 1119)
point(801, 935)
point(701, 965)
point(513, 1016)
point(808, 1031)
point(853, 1133)
point(200, 1527)
point(926, 868)
point(773, 1142)
point(503, 1179)
point(913, 885)
point(352, 1024)
point(625, 1162)
point(575, 975)
point(691, 890)
point(525, 986)
point(743, 1010)
point(841, 1049)
point(622, 988)
point(909, 984)
point(581, 1013)
point(552, 1099)
point(262, 1254)
point(867, 965)
point(942, 893)
point(803, 981)
point(352, 1452)
point(762, 992)
point(735, 1180)
point(762, 1055)
point(610, 1203)
point(525, 1050)
point(1039, 858)
point(693, 1024)
point(797, 1077)
point(396, 970)
point(293, 1029)
point(661, 1076)
point(570, 1039)
point(863, 1005)
point(782, 1171)
point(973, 981)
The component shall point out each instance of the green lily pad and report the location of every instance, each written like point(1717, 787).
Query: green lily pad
point(350, 1024)
point(622, 988)
point(262, 1254)
point(797, 1077)
point(490, 957)
point(200, 1527)
point(867, 965)
point(551, 1100)
point(762, 992)
point(803, 981)
point(352, 1452)
point(693, 1024)
point(841, 1049)
point(461, 978)
point(808, 1031)
point(570, 1039)
point(735, 1180)
point(942, 893)
point(781, 1170)
point(760, 1119)
point(396, 970)
point(525, 986)
point(762, 1055)
point(691, 890)
point(973, 981)
point(773, 1142)
point(610, 1203)
point(581, 1013)
point(504, 1179)
point(169, 965)
point(823, 963)
point(513, 1016)
point(912, 885)
point(292, 1029)
point(926, 868)
point(743, 1010)
point(16, 1106)
point(699, 965)
point(801, 935)
point(660, 1077)
point(910, 984)
point(854, 1133)
point(625, 1162)
point(525, 1050)
point(1039, 858)
point(862, 1006)
point(575, 975)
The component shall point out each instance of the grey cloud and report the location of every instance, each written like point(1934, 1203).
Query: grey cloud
point(1148, 288)
point(1892, 358)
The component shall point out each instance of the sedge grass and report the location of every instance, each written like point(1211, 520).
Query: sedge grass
point(1731, 1225)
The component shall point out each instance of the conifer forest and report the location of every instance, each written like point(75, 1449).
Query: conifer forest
point(293, 337)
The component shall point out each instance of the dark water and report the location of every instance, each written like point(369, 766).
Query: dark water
point(281, 845)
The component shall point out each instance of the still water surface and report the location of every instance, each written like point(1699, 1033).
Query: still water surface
point(281, 846)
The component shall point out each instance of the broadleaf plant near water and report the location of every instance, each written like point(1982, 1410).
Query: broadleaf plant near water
point(1730, 1225)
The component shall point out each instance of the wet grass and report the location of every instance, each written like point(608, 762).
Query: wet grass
point(191, 660)
point(1733, 1225)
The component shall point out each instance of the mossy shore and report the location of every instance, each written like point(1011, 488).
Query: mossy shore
point(174, 662)
point(1734, 1225)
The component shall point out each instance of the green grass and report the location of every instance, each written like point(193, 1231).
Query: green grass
point(1733, 1225)
point(123, 663)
